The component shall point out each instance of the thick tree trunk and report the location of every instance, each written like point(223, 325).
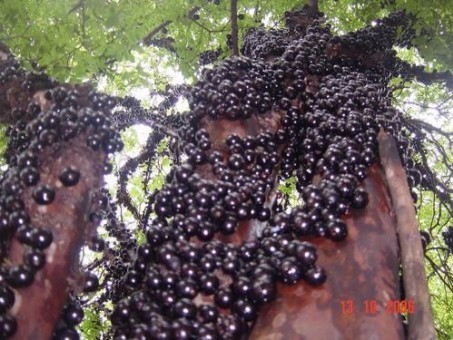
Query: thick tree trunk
point(362, 273)
point(39, 306)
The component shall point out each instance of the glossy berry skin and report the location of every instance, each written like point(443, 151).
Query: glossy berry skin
point(209, 283)
point(185, 308)
point(306, 253)
point(27, 159)
point(24, 233)
point(224, 298)
point(91, 282)
point(44, 194)
point(290, 271)
point(333, 134)
point(337, 230)
point(132, 280)
point(245, 310)
point(181, 330)
point(315, 276)
point(8, 326)
point(66, 334)
point(20, 276)
point(242, 286)
point(208, 313)
point(41, 238)
point(263, 291)
point(7, 298)
point(35, 258)
point(360, 199)
point(94, 142)
point(29, 176)
point(73, 314)
point(186, 288)
point(70, 176)
point(121, 313)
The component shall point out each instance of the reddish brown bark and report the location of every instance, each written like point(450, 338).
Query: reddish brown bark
point(415, 283)
point(362, 268)
point(38, 307)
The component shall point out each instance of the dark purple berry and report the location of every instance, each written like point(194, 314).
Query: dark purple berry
point(315, 276)
point(43, 194)
point(73, 314)
point(91, 282)
point(8, 326)
point(7, 298)
point(34, 258)
point(69, 176)
point(20, 276)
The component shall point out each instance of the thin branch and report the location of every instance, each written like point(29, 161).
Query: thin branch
point(436, 270)
point(428, 78)
point(234, 27)
point(426, 126)
point(149, 38)
point(80, 4)
point(147, 153)
point(207, 29)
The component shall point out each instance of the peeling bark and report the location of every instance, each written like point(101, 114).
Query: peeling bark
point(362, 268)
point(39, 306)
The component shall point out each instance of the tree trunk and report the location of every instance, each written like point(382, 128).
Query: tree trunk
point(356, 301)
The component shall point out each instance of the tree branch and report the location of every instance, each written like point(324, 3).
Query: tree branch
point(148, 40)
point(66, 218)
point(313, 4)
point(60, 206)
point(429, 127)
point(130, 166)
point(415, 284)
point(234, 27)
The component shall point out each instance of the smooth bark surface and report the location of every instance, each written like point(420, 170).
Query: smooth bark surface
point(415, 284)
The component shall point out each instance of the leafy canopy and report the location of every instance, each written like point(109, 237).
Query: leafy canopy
point(85, 39)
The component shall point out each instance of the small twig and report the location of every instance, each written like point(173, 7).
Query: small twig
point(421, 324)
point(234, 27)
point(207, 29)
point(148, 39)
point(77, 6)
point(426, 126)
point(436, 270)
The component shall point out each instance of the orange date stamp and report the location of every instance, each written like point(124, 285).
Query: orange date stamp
point(349, 307)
